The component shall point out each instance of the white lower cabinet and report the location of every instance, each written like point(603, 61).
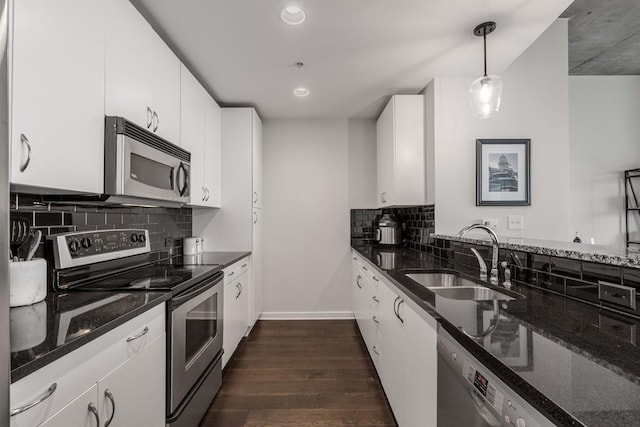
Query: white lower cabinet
point(402, 341)
point(120, 392)
point(236, 307)
point(81, 412)
point(129, 361)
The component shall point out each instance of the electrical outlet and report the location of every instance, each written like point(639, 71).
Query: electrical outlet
point(491, 222)
point(515, 222)
point(170, 242)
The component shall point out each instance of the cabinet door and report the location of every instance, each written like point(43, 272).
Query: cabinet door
point(232, 320)
point(212, 152)
point(385, 155)
point(257, 160)
point(420, 364)
point(81, 412)
point(391, 341)
point(142, 73)
point(409, 151)
point(244, 285)
point(192, 130)
point(57, 94)
point(134, 393)
point(256, 267)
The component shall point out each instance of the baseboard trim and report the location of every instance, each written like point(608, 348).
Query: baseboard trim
point(306, 315)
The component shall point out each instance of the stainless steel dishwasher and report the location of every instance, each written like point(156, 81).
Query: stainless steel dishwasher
point(470, 395)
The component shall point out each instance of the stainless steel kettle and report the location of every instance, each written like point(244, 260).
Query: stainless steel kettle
point(389, 230)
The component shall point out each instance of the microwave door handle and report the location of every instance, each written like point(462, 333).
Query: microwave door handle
point(171, 180)
point(185, 183)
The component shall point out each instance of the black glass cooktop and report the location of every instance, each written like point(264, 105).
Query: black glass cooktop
point(152, 277)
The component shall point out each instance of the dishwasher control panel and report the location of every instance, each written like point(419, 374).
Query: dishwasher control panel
point(494, 403)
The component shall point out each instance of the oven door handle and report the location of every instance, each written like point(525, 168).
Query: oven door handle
point(194, 292)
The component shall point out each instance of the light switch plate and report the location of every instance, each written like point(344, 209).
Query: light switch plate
point(515, 222)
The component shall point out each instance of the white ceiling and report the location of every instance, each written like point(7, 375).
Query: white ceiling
point(356, 52)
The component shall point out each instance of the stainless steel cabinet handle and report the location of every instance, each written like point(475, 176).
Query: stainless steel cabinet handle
point(45, 396)
point(149, 117)
point(358, 281)
point(232, 273)
point(203, 197)
point(375, 298)
point(239, 289)
point(381, 198)
point(207, 190)
point(94, 411)
point(25, 141)
point(157, 120)
point(375, 350)
point(255, 218)
point(364, 268)
point(395, 301)
point(109, 396)
point(375, 320)
point(355, 259)
point(398, 310)
point(375, 278)
point(243, 265)
point(255, 197)
point(140, 335)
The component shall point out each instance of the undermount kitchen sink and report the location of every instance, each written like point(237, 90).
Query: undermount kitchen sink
point(439, 280)
point(477, 293)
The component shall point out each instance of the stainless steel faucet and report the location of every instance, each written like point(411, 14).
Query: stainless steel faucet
point(494, 255)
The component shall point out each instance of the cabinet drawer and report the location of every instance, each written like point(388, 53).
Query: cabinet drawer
point(82, 368)
point(236, 270)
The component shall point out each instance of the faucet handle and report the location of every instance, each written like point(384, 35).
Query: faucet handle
point(507, 274)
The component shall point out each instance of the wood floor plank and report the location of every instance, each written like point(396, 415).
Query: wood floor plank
point(303, 374)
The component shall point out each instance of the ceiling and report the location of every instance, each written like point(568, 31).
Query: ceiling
point(604, 37)
point(356, 52)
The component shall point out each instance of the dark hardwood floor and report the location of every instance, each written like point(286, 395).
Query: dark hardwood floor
point(300, 373)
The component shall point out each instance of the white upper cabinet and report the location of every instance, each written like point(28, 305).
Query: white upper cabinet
point(142, 73)
point(192, 124)
point(212, 153)
point(401, 152)
point(257, 160)
point(200, 123)
point(57, 94)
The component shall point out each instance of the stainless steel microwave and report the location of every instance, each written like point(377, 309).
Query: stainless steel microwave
point(141, 167)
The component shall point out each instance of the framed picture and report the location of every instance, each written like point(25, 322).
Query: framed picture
point(502, 172)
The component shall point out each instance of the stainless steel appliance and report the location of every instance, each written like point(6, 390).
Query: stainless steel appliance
point(389, 230)
point(141, 165)
point(4, 220)
point(471, 395)
point(194, 312)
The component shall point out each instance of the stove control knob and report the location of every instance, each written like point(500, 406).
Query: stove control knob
point(74, 245)
point(142, 238)
point(134, 237)
point(86, 243)
point(521, 423)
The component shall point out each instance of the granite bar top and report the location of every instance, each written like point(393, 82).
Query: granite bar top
point(43, 332)
point(576, 363)
point(581, 251)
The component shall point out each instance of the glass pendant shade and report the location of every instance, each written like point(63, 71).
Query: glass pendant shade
point(485, 95)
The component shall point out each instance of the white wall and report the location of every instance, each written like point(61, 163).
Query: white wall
point(604, 126)
point(306, 185)
point(362, 164)
point(535, 106)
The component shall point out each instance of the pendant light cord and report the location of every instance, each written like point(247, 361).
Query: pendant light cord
point(484, 36)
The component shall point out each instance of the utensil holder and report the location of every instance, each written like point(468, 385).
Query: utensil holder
point(27, 282)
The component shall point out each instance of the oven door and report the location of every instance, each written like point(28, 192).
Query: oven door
point(196, 336)
point(143, 171)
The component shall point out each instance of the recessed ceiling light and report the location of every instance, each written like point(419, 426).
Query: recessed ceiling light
point(301, 92)
point(293, 15)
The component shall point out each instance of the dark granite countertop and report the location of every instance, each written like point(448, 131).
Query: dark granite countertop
point(576, 363)
point(43, 332)
point(38, 332)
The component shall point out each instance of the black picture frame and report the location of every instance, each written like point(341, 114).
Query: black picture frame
point(503, 172)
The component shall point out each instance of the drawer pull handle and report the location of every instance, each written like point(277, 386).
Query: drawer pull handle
point(243, 265)
point(45, 396)
point(232, 273)
point(94, 411)
point(375, 278)
point(140, 335)
point(364, 268)
point(109, 396)
point(358, 281)
point(376, 320)
point(375, 350)
point(375, 299)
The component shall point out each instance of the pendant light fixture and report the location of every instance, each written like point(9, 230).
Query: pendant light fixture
point(485, 92)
